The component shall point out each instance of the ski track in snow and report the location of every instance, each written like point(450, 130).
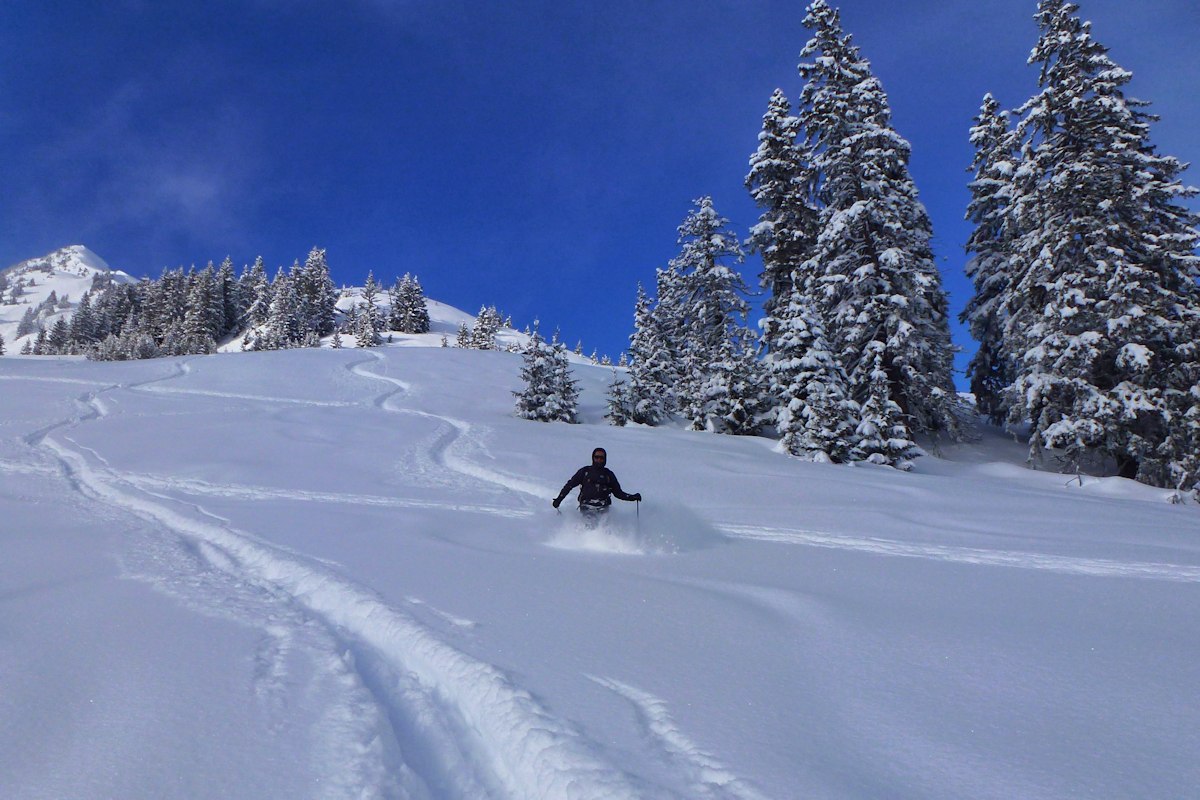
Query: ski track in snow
point(459, 726)
point(264, 493)
point(41, 379)
point(707, 778)
point(235, 396)
point(446, 449)
point(23, 468)
point(1068, 565)
point(457, 622)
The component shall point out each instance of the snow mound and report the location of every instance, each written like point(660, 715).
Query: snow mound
point(655, 530)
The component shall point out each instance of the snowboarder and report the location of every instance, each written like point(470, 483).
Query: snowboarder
point(597, 485)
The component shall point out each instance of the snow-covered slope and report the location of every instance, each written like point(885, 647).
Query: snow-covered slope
point(67, 272)
point(337, 573)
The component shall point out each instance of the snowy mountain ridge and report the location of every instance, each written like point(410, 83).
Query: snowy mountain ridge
point(49, 288)
point(76, 259)
point(65, 273)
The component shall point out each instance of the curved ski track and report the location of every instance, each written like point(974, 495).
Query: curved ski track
point(455, 727)
point(445, 451)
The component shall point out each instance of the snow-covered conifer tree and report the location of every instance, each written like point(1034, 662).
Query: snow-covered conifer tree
point(463, 338)
point(1105, 306)
point(1, 345)
point(282, 328)
point(991, 246)
point(82, 329)
point(619, 405)
point(709, 303)
point(165, 304)
point(882, 437)
point(115, 306)
point(316, 294)
point(546, 397)
point(369, 315)
point(415, 307)
point(731, 396)
point(229, 290)
point(58, 339)
point(650, 386)
point(816, 418)
point(28, 323)
point(665, 332)
point(256, 293)
point(880, 296)
point(565, 400)
point(487, 325)
point(409, 313)
point(780, 183)
point(204, 314)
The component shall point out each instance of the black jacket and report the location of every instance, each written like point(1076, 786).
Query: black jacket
point(597, 484)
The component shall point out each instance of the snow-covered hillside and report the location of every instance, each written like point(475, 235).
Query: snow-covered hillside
point(337, 573)
point(66, 273)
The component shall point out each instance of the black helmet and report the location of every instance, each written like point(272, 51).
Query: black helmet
point(599, 456)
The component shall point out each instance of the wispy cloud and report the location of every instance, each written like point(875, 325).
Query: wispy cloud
point(143, 164)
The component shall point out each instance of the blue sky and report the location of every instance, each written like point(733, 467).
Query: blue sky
point(533, 155)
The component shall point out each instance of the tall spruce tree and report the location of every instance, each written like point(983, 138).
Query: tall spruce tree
point(256, 294)
point(83, 328)
point(816, 417)
point(708, 303)
point(316, 294)
point(991, 247)
point(619, 403)
point(882, 435)
point(58, 340)
point(370, 320)
point(282, 328)
point(731, 395)
point(487, 325)
point(1104, 306)
point(229, 290)
point(880, 294)
point(565, 403)
point(780, 183)
point(549, 393)
point(651, 368)
point(28, 323)
point(409, 312)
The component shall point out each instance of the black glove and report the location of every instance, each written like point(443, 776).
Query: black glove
point(556, 501)
point(637, 497)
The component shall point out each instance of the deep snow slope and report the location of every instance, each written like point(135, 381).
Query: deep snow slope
point(336, 573)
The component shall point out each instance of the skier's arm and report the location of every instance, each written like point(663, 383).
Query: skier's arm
point(621, 493)
point(574, 481)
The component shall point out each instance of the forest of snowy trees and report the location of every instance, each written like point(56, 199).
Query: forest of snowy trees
point(1086, 305)
point(191, 312)
point(854, 356)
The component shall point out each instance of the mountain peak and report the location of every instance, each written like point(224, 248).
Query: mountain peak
point(75, 259)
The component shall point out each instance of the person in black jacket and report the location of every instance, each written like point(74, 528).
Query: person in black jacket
point(597, 484)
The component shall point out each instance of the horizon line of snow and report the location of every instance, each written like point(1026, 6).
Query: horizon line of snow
point(1070, 565)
